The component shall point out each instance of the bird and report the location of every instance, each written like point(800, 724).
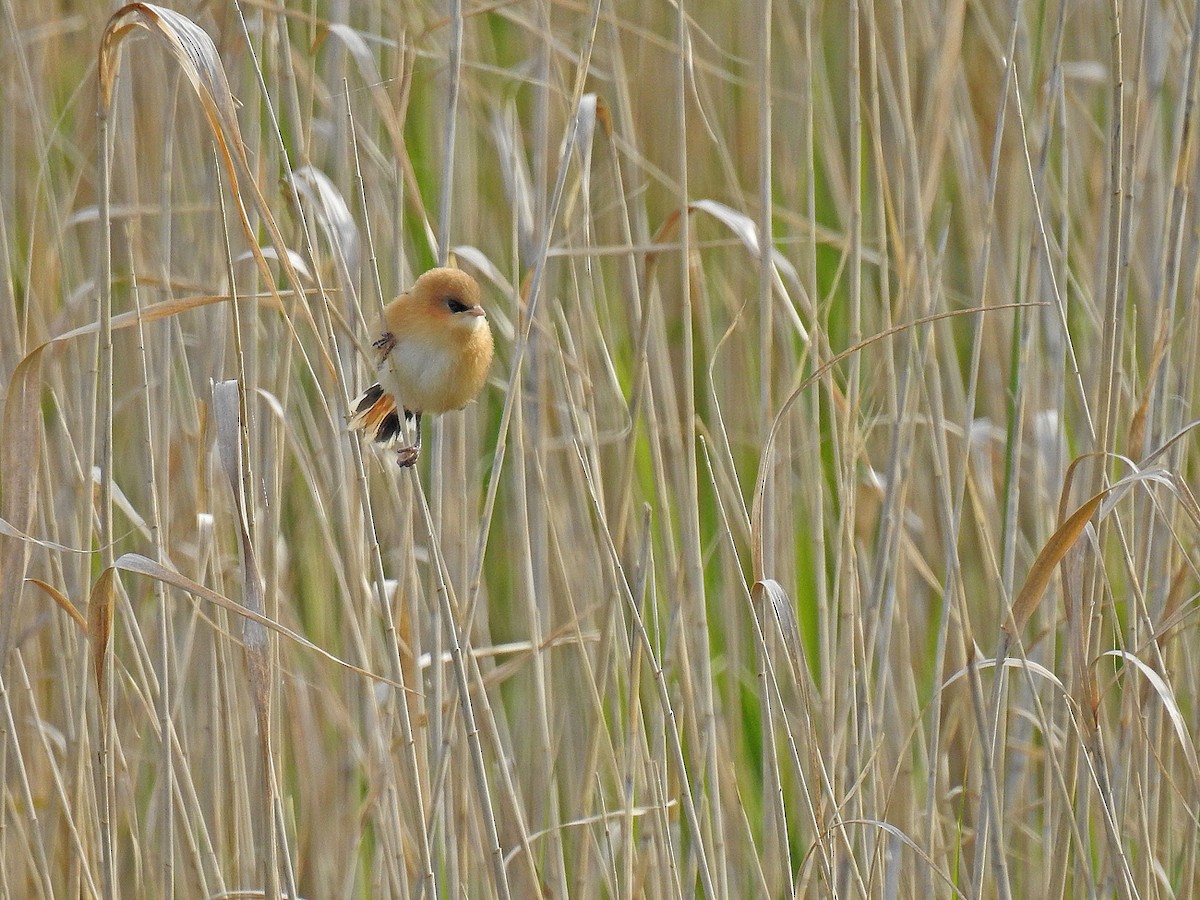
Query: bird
point(433, 350)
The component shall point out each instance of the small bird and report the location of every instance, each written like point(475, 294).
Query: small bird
point(433, 349)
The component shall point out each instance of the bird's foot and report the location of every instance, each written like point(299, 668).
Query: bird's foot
point(385, 344)
point(407, 456)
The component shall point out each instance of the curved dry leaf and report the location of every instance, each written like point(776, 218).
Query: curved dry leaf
point(155, 311)
point(1170, 442)
point(332, 211)
point(9, 530)
point(141, 565)
point(61, 599)
point(743, 227)
point(1047, 561)
point(917, 849)
point(99, 624)
point(201, 65)
point(191, 46)
point(746, 231)
point(783, 613)
point(1117, 491)
point(371, 77)
point(296, 260)
point(1012, 662)
point(1167, 697)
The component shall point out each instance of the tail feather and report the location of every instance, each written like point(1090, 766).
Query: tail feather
point(389, 431)
point(366, 400)
point(375, 411)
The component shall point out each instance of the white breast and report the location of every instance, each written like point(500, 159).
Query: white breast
point(416, 374)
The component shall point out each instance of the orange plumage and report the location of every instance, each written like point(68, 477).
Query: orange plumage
point(433, 352)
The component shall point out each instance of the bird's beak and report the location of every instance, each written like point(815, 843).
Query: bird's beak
point(476, 311)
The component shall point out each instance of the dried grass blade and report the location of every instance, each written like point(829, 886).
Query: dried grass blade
point(784, 614)
point(162, 310)
point(1167, 696)
point(63, 603)
point(99, 629)
point(332, 212)
point(200, 64)
point(1047, 561)
point(8, 529)
point(142, 565)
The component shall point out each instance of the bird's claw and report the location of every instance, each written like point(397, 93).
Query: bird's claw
point(385, 343)
point(407, 457)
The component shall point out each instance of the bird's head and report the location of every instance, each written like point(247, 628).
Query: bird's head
point(449, 297)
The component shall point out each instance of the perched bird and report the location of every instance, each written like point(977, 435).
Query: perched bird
point(433, 349)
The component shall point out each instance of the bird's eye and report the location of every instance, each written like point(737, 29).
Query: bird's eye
point(456, 305)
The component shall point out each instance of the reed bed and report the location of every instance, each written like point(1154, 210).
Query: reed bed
point(826, 526)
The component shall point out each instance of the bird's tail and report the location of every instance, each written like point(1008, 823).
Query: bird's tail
point(375, 411)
